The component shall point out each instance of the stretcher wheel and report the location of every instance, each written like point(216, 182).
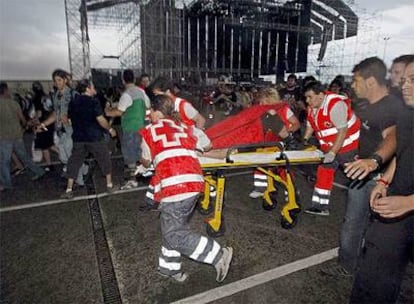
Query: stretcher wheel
point(214, 234)
point(294, 215)
point(273, 198)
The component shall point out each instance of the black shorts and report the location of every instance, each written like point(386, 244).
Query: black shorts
point(44, 140)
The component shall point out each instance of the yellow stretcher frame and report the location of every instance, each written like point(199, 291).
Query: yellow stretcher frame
point(268, 160)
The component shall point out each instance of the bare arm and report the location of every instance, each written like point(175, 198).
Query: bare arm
point(389, 143)
point(145, 155)
point(308, 132)
point(105, 124)
point(50, 120)
point(113, 112)
point(339, 140)
point(200, 121)
point(294, 124)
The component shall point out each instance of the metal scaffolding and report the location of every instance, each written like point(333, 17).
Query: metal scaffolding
point(341, 55)
point(85, 17)
point(162, 38)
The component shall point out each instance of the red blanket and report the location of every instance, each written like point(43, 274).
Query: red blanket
point(243, 128)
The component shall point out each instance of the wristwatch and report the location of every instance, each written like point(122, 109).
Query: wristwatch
point(378, 159)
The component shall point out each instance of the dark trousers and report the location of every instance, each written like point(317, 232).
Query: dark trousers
point(178, 238)
point(81, 150)
point(388, 248)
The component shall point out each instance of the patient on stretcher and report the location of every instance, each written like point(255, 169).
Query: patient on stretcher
point(270, 121)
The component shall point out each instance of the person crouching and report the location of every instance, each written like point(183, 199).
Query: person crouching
point(170, 146)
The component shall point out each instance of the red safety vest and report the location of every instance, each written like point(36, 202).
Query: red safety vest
point(177, 169)
point(324, 129)
point(179, 105)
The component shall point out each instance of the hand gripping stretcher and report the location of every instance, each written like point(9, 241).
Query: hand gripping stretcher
point(266, 160)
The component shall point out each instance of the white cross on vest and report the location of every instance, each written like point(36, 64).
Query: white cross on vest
point(160, 132)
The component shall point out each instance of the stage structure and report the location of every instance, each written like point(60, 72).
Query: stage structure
point(242, 39)
point(206, 38)
point(245, 39)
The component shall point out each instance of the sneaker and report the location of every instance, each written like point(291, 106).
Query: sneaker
point(336, 271)
point(256, 194)
point(223, 265)
point(111, 189)
point(227, 113)
point(67, 195)
point(317, 211)
point(17, 171)
point(131, 184)
point(179, 277)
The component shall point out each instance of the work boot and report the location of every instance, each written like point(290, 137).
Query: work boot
point(317, 211)
point(179, 277)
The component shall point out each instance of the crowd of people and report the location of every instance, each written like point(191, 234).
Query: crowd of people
point(365, 129)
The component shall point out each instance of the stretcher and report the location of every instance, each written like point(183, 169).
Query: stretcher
point(271, 160)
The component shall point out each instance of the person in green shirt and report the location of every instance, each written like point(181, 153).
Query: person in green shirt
point(131, 108)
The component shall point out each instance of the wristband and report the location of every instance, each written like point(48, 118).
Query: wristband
point(378, 160)
point(382, 181)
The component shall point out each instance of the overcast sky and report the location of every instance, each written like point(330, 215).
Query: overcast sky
point(34, 41)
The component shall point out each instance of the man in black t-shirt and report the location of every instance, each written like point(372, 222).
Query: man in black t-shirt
point(376, 147)
point(89, 125)
point(292, 95)
point(389, 240)
point(226, 96)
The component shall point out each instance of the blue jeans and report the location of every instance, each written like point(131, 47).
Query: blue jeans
point(131, 147)
point(354, 225)
point(65, 145)
point(6, 149)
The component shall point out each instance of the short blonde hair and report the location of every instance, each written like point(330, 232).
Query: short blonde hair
point(268, 96)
